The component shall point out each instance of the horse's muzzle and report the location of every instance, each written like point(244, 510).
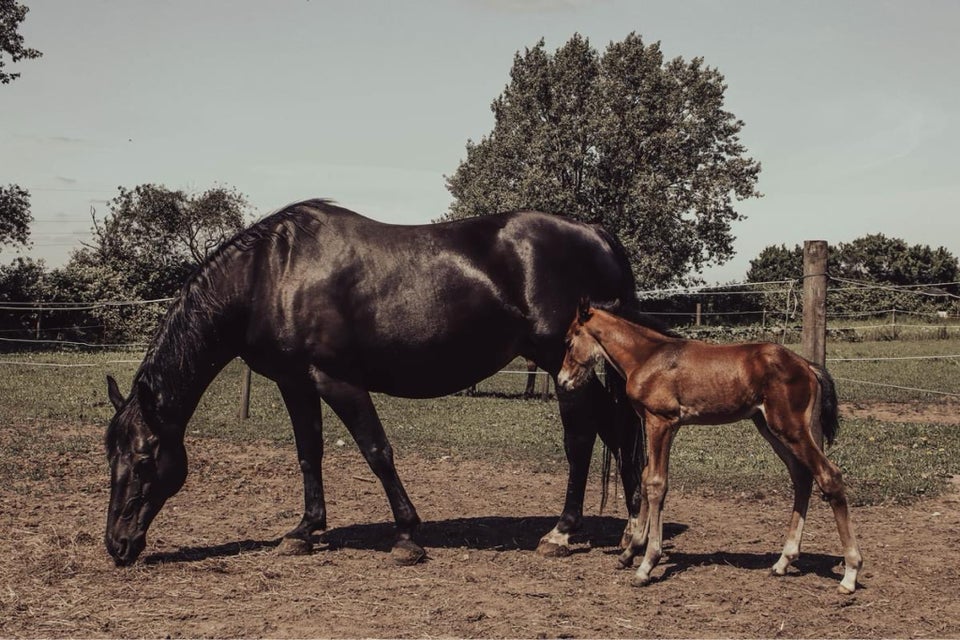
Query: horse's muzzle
point(125, 550)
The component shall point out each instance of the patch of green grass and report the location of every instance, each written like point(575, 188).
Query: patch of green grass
point(938, 374)
point(882, 461)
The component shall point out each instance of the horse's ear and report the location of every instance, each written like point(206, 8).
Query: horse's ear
point(583, 310)
point(113, 391)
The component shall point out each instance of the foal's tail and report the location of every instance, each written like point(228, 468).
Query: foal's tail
point(829, 408)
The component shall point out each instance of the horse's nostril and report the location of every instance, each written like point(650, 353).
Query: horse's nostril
point(120, 548)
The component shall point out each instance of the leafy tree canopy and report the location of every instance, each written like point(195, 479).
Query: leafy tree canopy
point(15, 215)
point(153, 237)
point(624, 138)
point(12, 14)
point(873, 258)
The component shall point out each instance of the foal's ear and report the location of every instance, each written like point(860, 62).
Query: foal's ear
point(113, 391)
point(583, 310)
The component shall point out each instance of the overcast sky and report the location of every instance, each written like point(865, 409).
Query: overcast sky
point(851, 107)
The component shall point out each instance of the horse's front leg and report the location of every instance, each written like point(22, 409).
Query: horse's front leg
point(355, 408)
point(660, 434)
point(579, 411)
point(303, 404)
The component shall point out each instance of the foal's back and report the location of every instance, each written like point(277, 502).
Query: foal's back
point(704, 383)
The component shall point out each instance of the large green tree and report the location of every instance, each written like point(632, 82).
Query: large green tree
point(873, 259)
point(15, 217)
point(153, 237)
point(12, 14)
point(146, 247)
point(624, 138)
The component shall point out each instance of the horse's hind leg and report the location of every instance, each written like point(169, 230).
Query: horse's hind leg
point(303, 404)
point(793, 431)
point(355, 408)
point(802, 487)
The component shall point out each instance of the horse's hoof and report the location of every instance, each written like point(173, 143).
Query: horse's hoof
point(406, 553)
point(640, 581)
point(624, 563)
point(294, 547)
point(845, 591)
point(778, 573)
point(552, 550)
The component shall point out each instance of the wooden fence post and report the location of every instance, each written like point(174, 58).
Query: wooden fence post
point(245, 392)
point(545, 389)
point(698, 314)
point(814, 341)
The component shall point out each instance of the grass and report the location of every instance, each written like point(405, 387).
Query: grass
point(883, 461)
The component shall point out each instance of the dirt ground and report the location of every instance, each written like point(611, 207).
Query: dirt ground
point(211, 567)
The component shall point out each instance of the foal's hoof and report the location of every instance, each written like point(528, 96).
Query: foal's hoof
point(552, 550)
point(406, 553)
point(294, 547)
point(624, 562)
point(640, 581)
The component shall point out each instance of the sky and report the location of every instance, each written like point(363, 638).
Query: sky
point(851, 107)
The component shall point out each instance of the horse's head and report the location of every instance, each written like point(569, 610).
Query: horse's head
point(146, 468)
point(583, 352)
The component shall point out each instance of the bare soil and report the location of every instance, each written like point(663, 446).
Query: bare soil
point(940, 412)
point(211, 567)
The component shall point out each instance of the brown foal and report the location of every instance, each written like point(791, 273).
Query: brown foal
point(672, 381)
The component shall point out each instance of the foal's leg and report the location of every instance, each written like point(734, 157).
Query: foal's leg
point(792, 429)
point(802, 481)
point(579, 411)
point(355, 408)
point(303, 404)
point(660, 434)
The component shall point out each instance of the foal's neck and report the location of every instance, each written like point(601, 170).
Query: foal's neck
point(626, 344)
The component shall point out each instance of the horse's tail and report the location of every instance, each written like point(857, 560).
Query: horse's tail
point(628, 434)
point(829, 407)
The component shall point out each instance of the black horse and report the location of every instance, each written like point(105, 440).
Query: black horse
point(331, 306)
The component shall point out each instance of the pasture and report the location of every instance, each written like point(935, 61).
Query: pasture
point(487, 474)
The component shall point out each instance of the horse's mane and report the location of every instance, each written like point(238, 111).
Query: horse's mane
point(189, 320)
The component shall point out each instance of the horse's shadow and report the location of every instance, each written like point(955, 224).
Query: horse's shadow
point(503, 533)
point(816, 563)
point(499, 533)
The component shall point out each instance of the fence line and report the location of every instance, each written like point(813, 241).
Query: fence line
point(893, 386)
point(879, 359)
point(75, 306)
point(137, 345)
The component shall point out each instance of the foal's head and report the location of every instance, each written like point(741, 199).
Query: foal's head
point(145, 470)
point(583, 351)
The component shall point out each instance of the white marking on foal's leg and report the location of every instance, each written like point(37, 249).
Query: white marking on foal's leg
point(637, 540)
point(633, 523)
point(791, 549)
point(849, 583)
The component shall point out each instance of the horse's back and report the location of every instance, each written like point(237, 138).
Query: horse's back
point(424, 309)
